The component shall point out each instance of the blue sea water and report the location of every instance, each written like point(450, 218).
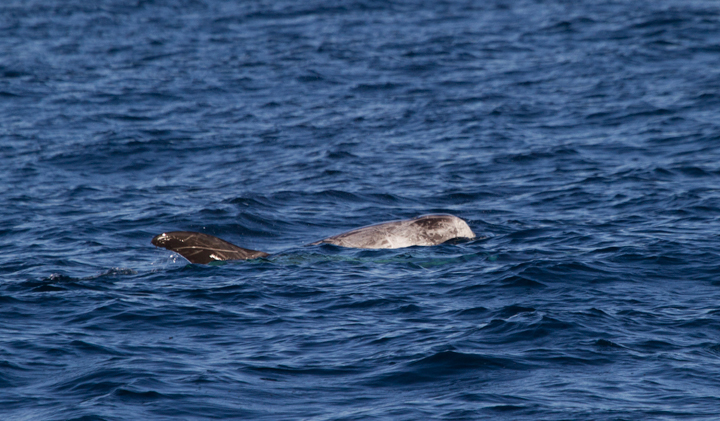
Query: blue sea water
point(579, 139)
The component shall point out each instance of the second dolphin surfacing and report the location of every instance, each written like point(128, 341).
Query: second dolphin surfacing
point(426, 230)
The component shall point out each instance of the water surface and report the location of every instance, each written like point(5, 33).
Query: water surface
point(578, 139)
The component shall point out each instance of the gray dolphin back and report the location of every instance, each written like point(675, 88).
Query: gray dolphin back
point(426, 230)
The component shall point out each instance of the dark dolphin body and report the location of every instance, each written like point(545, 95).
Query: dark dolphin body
point(427, 230)
point(202, 248)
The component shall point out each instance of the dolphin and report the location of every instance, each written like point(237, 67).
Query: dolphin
point(426, 230)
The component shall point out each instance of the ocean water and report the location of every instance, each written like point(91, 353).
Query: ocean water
point(579, 139)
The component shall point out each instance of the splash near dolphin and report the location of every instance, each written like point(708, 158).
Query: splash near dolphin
point(426, 230)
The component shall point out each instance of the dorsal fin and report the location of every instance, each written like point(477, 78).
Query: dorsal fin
point(202, 248)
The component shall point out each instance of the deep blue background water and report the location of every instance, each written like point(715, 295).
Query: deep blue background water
point(580, 140)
